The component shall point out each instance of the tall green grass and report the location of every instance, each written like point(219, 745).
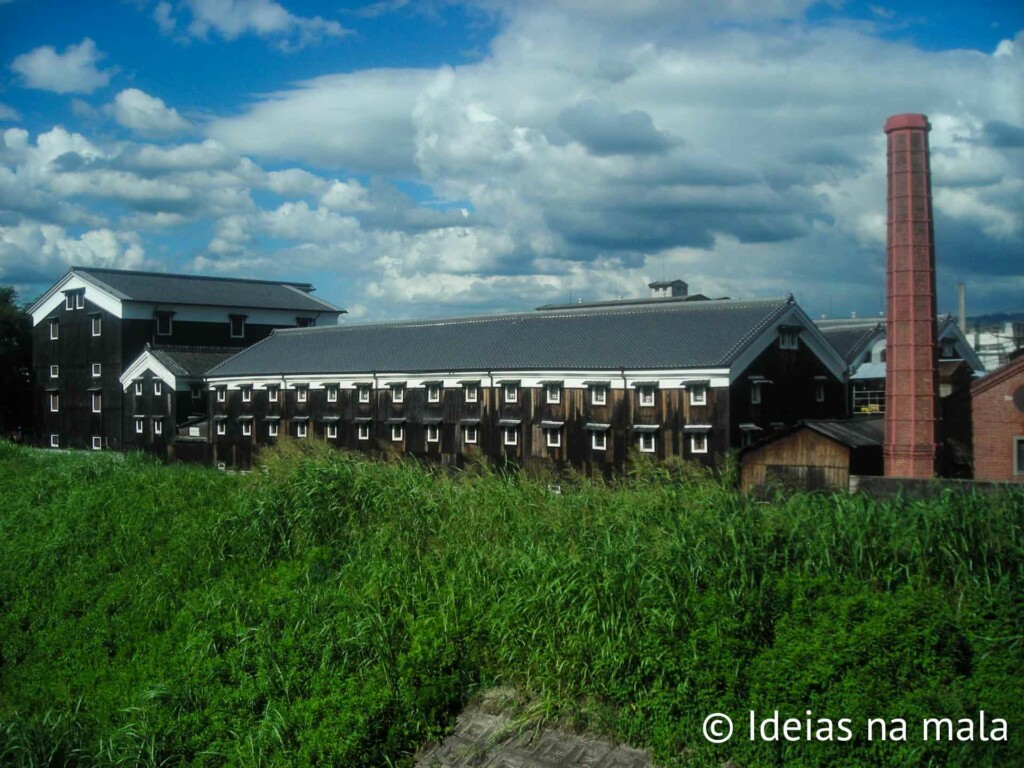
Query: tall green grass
point(327, 610)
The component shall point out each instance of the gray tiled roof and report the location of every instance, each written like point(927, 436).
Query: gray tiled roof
point(850, 340)
point(164, 288)
point(674, 335)
point(856, 433)
point(191, 362)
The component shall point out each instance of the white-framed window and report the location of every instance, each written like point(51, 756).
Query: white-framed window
point(554, 394)
point(364, 397)
point(54, 371)
point(246, 428)
point(272, 394)
point(158, 387)
point(54, 330)
point(1018, 455)
point(511, 393)
point(646, 442)
point(646, 394)
point(158, 426)
point(246, 394)
point(332, 431)
point(472, 393)
point(397, 433)
point(470, 434)
point(164, 323)
point(237, 326)
point(433, 433)
point(97, 370)
point(789, 338)
point(97, 325)
point(301, 429)
point(79, 299)
point(698, 394)
point(97, 443)
point(138, 389)
point(55, 441)
point(69, 300)
point(140, 426)
point(397, 395)
point(222, 428)
point(97, 402)
point(510, 435)
point(599, 441)
point(54, 402)
point(699, 442)
point(554, 437)
point(364, 432)
point(272, 429)
point(819, 391)
point(755, 393)
point(302, 394)
point(222, 394)
point(433, 393)
point(599, 395)
point(332, 394)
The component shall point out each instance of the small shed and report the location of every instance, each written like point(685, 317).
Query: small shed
point(814, 455)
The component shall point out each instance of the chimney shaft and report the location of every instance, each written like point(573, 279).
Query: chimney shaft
point(911, 373)
point(961, 290)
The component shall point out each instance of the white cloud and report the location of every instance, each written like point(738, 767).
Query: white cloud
point(265, 18)
point(345, 196)
point(49, 248)
point(8, 114)
point(73, 71)
point(146, 115)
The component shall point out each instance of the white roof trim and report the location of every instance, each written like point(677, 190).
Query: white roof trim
point(95, 292)
point(147, 362)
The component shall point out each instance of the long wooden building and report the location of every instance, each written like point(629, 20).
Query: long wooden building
point(580, 386)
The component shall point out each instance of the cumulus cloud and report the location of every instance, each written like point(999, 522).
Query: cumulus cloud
point(73, 71)
point(146, 115)
point(30, 250)
point(231, 19)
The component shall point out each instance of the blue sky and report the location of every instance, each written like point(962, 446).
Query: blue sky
point(417, 159)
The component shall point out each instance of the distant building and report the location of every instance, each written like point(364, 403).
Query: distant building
point(93, 322)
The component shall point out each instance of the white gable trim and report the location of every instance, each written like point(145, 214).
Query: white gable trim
point(72, 281)
point(809, 335)
point(147, 362)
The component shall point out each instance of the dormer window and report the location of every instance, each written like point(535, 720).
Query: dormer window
point(164, 322)
point(237, 326)
point(789, 338)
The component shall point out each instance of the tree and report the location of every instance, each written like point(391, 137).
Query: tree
point(15, 364)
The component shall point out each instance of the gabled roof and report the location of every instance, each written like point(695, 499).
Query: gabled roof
point(851, 337)
point(164, 288)
point(704, 334)
point(854, 433)
point(625, 302)
point(191, 362)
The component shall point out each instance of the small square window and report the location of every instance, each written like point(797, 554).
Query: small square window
point(599, 441)
point(332, 431)
point(472, 393)
point(332, 394)
point(246, 428)
point(364, 396)
point(397, 433)
point(433, 393)
point(54, 330)
point(140, 426)
point(301, 429)
point(54, 402)
point(599, 395)
point(97, 443)
point(755, 393)
point(271, 394)
point(398, 394)
point(302, 394)
point(554, 438)
point(54, 371)
point(364, 432)
point(246, 394)
point(433, 433)
point(158, 388)
point(164, 323)
point(222, 394)
point(97, 402)
point(55, 441)
point(554, 393)
point(272, 429)
point(511, 392)
point(97, 370)
point(647, 442)
point(470, 434)
point(222, 428)
point(138, 389)
point(97, 325)
point(646, 397)
point(237, 326)
point(158, 426)
point(699, 442)
point(698, 395)
point(510, 436)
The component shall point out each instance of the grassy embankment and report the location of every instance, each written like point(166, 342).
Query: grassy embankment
point(333, 611)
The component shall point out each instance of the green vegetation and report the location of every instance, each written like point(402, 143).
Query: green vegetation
point(327, 610)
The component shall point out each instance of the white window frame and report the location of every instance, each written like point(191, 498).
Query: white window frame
point(599, 441)
point(97, 370)
point(433, 393)
point(470, 434)
point(599, 395)
point(96, 401)
point(158, 426)
point(246, 394)
point(553, 394)
point(472, 393)
point(703, 398)
point(302, 394)
point(232, 319)
point(138, 389)
point(755, 393)
point(246, 428)
point(702, 447)
point(169, 317)
point(140, 426)
point(272, 394)
point(69, 300)
point(54, 440)
point(80, 299)
point(97, 443)
point(645, 396)
point(397, 433)
point(301, 430)
point(398, 393)
point(222, 428)
point(364, 396)
point(363, 432)
point(510, 394)
point(54, 329)
point(222, 394)
point(510, 435)
point(332, 394)
point(54, 371)
point(55, 402)
point(332, 431)
point(789, 338)
point(272, 429)
point(553, 437)
point(96, 324)
point(158, 387)
point(642, 443)
point(433, 433)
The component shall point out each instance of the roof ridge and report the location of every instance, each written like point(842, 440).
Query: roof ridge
point(145, 273)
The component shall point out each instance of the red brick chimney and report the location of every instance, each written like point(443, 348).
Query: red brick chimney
point(911, 367)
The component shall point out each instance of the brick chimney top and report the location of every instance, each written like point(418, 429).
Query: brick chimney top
point(898, 122)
